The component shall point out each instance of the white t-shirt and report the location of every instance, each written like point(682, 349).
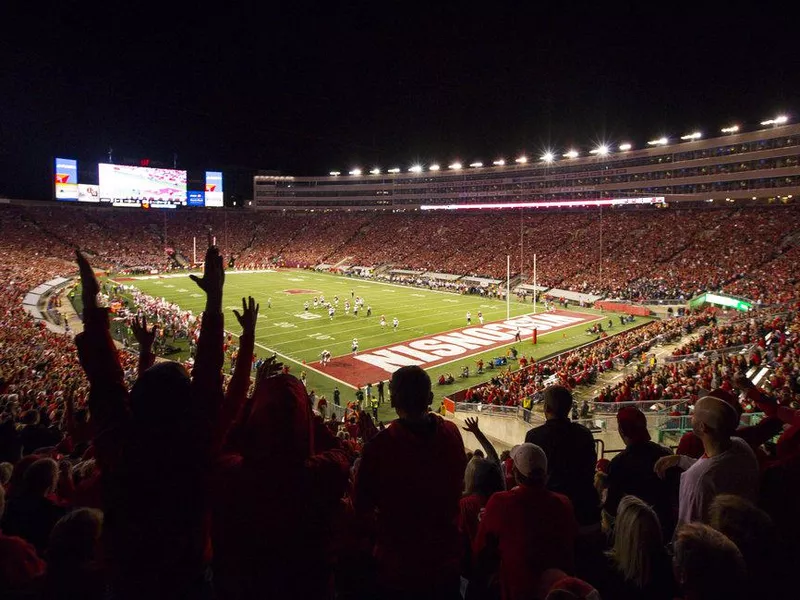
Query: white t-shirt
point(735, 471)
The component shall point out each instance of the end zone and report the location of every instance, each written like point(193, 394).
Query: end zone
point(431, 351)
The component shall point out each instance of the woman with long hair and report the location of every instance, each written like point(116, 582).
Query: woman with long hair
point(638, 565)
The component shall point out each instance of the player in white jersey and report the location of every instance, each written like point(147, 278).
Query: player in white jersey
point(395, 323)
point(336, 301)
point(331, 310)
point(316, 302)
point(469, 318)
point(383, 322)
point(305, 306)
point(355, 346)
point(325, 357)
point(480, 317)
point(322, 300)
point(355, 310)
point(346, 308)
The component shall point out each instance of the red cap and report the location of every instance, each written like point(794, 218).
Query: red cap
point(633, 424)
point(602, 465)
point(577, 588)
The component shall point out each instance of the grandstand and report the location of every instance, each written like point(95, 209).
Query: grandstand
point(740, 166)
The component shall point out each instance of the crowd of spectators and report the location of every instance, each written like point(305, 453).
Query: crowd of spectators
point(634, 255)
point(523, 386)
point(175, 485)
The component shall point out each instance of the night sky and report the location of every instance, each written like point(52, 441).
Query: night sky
point(303, 88)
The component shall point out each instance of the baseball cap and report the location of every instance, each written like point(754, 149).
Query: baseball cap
point(633, 424)
point(529, 458)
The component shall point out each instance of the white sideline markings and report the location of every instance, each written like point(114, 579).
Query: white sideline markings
point(302, 366)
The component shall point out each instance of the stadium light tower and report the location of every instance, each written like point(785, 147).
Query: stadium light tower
point(600, 150)
point(415, 169)
point(499, 163)
point(690, 137)
point(375, 171)
point(730, 129)
point(476, 165)
point(355, 172)
point(335, 173)
point(625, 147)
point(456, 166)
point(571, 154)
point(779, 120)
point(548, 157)
point(521, 160)
point(662, 141)
point(394, 170)
point(434, 168)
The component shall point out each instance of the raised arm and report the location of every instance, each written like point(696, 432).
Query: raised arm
point(237, 388)
point(207, 372)
point(471, 425)
point(98, 356)
point(145, 338)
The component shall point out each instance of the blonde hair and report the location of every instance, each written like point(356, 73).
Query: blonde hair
point(637, 540)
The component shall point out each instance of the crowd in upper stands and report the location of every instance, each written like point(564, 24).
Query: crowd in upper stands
point(649, 254)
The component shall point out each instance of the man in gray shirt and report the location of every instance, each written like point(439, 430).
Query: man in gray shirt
point(729, 465)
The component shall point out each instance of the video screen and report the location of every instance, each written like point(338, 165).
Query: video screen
point(66, 179)
point(214, 188)
point(124, 185)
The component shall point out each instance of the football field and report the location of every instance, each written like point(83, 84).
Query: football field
point(432, 328)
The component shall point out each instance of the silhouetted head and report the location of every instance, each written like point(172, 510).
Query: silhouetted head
point(411, 391)
point(161, 397)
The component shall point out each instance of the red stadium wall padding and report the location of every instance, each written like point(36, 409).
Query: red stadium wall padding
point(631, 309)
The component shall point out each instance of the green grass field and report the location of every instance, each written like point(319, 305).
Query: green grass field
point(285, 328)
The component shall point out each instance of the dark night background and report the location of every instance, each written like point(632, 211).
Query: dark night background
point(304, 88)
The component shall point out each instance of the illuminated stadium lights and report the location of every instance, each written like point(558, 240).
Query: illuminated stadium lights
point(433, 168)
point(522, 160)
point(476, 165)
point(625, 147)
point(355, 172)
point(557, 204)
point(692, 136)
point(499, 163)
point(779, 120)
point(394, 170)
point(659, 142)
point(571, 154)
point(731, 129)
point(335, 173)
point(600, 150)
point(455, 166)
point(548, 157)
point(415, 169)
point(375, 171)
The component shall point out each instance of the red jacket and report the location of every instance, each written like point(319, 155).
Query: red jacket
point(533, 529)
point(410, 479)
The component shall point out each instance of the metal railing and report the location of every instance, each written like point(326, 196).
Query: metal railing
point(710, 354)
point(646, 406)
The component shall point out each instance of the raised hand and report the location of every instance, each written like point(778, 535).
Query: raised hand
point(249, 315)
point(213, 275)
point(89, 286)
point(269, 368)
point(142, 335)
point(471, 425)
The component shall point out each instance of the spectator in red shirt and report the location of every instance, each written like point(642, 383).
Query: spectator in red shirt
point(529, 527)
point(410, 480)
point(19, 564)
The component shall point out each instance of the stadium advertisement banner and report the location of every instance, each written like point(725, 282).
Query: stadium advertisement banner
point(88, 193)
point(66, 179)
point(195, 199)
point(380, 363)
point(213, 196)
point(124, 185)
